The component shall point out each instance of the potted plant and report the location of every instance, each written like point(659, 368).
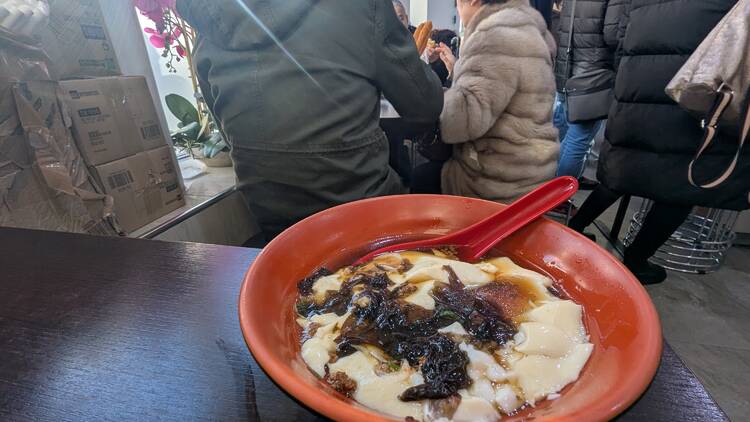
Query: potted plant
point(197, 133)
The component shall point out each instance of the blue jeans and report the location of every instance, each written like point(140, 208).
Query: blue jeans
point(576, 140)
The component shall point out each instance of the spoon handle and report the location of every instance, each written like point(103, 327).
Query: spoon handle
point(476, 240)
point(483, 236)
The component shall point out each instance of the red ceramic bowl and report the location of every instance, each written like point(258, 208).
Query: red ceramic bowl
point(620, 317)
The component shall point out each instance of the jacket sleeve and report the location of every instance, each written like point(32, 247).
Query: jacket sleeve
point(483, 88)
point(406, 81)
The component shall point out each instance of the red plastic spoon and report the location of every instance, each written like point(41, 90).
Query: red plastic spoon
point(474, 241)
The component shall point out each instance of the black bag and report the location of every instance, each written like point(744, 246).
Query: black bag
point(431, 146)
point(588, 95)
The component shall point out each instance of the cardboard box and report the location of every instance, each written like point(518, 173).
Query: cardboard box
point(113, 118)
point(145, 187)
point(171, 191)
point(77, 40)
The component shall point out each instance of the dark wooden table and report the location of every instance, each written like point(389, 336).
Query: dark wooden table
point(95, 328)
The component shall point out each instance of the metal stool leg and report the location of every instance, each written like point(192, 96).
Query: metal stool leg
point(699, 246)
point(569, 212)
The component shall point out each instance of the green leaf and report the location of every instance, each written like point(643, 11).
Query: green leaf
point(204, 127)
point(182, 109)
point(188, 131)
point(214, 145)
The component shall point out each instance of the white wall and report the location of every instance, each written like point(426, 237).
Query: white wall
point(440, 12)
point(443, 14)
point(418, 11)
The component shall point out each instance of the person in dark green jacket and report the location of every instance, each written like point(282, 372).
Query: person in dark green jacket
point(295, 86)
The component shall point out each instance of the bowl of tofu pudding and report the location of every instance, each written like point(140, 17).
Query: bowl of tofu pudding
point(548, 325)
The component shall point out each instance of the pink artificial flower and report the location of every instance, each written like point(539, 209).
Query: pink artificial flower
point(156, 39)
point(181, 51)
point(157, 42)
point(161, 41)
point(157, 16)
point(154, 9)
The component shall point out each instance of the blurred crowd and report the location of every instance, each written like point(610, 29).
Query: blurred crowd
point(514, 100)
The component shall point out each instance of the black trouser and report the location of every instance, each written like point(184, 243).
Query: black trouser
point(426, 178)
point(662, 220)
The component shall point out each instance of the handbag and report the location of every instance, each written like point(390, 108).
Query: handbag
point(714, 85)
point(710, 125)
point(588, 95)
point(431, 146)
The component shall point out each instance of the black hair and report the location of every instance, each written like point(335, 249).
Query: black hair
point(443, 36)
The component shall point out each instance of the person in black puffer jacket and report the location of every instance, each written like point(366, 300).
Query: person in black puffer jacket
point(593, 46)
point(650, 140)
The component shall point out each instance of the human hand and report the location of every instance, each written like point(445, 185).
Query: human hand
point(446, 55)
point(432, 52)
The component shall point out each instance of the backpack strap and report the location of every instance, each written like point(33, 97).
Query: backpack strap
point(569, 50)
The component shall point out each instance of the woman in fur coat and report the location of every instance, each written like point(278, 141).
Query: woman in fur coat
point(498, 113)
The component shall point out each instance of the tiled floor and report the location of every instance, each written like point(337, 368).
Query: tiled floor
point(706, 319)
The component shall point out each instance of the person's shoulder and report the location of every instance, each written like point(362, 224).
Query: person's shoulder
point(511, 28)
point(511, 16)
point(509, 31)
point(512, 19)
